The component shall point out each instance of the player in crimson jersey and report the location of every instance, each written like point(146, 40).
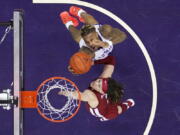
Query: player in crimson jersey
point(104, 95)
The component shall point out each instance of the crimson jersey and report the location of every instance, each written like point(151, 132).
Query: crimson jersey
point(105, 110)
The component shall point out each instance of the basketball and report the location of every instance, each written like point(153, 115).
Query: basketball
point(80, 63)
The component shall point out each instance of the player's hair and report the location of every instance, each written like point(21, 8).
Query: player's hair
point(115, 91)
point(86, 29)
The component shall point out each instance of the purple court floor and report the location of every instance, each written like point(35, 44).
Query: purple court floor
point(48, 47)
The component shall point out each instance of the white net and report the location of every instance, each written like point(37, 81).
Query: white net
point(68, 110)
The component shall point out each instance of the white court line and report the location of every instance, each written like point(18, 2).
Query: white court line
point(136, 38)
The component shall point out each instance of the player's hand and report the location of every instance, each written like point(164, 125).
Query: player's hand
point(64, 93)
point(61, 93)
point(72, 71)
point(99, 43)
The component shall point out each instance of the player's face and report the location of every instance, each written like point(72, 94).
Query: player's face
point(97, 85)
point(90, 38)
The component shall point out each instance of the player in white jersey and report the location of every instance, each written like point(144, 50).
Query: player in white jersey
point(99, 38)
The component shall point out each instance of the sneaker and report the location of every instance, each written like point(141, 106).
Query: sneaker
point(66, 17)
point(130, 102)
point(73, 10)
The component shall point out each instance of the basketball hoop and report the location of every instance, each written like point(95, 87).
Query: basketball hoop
point(39, 99)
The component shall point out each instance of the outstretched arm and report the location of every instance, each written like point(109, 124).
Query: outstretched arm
point(117, 36)
point(109, 66)
point(89, 19)
point(107, 71)
point(86, 96)
point(113, 34)
point(75, 33)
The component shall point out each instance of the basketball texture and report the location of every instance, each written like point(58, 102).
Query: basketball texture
point(80, 63)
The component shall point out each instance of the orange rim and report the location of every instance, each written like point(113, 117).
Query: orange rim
point(79, 98)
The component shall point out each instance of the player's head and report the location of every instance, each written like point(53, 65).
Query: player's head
point(113, 89)
point(88, 33)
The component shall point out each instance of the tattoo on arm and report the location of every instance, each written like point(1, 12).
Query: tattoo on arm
point(117, 36)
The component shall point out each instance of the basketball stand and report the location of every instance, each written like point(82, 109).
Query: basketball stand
point(18, 99)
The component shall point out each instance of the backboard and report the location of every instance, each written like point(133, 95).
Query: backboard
point(18, 69)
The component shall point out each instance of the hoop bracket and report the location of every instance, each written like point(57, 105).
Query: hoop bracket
point(38, 99)
point(6, 23)
point(6, 99)
point(28, 99)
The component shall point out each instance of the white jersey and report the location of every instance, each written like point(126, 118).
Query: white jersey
point(102, 52)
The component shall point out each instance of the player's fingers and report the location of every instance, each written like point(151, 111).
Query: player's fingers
point(60, 93)
point(72, 71)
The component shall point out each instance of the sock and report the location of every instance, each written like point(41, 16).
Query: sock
point(68, 24)
point(127, 104)
point(81, 11)
point(124, 106)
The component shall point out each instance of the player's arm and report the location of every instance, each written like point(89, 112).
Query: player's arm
point(117, 36)
point(107, 71)
point(75, 33)
point(113, 34)
point(86, 96)
point(99, 43)
point(108, 68)
point(89, 19)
